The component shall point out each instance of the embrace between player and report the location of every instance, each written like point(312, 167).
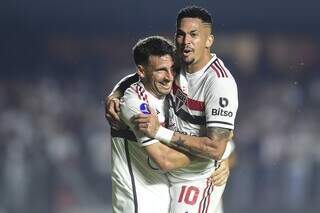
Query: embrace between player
point(199, 113)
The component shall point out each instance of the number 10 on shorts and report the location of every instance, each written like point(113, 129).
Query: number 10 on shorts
point(189, 195)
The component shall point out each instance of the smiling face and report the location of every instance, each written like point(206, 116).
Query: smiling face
point(157, 76)
point(193, 41)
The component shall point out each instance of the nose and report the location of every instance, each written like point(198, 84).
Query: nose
point(186, 39)
point(170, 75)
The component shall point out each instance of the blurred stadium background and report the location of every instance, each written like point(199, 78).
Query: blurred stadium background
point(59, 58)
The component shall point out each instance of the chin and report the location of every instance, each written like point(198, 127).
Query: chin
point(188, 62)
point(165, 92)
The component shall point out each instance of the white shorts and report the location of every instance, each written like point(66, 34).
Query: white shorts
point(195, 197)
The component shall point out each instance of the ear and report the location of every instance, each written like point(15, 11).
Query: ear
point(141, 71)
point(209, 41)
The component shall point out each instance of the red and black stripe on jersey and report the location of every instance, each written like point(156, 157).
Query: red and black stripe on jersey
point(218, 69)
point(141, 93)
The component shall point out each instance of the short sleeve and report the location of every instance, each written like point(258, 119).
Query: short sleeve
point(221, 103)
point(130, 107)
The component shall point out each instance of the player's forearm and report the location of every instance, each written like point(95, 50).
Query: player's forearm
point(211, 146)
point(166, 158)
point(202, 147)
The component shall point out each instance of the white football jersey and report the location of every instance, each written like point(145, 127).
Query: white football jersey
point(135, 101)
point(207, 98)
point(138, 184)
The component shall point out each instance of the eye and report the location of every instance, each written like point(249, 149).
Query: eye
point(193, 34)
point(180, 34)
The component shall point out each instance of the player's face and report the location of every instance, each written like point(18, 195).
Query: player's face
point(193, 41)
point(158, 75)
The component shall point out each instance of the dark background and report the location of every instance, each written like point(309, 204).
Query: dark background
point(58, 59)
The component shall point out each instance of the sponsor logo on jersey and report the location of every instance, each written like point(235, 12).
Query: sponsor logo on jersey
point(181, 99)
point(144, 108)
point(223, 102)
point(221, 112)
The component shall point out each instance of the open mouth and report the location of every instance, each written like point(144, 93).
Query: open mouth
point(186, 51)
point(166, 85)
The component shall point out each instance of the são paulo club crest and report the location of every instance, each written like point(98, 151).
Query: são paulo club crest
point(181, 99)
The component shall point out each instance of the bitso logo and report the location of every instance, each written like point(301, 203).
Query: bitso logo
point(223, 102)
point(144, 108)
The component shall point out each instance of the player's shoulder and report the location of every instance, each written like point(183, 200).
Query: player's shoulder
point(219, 78)
point(218, 73)
point(135, 91)
point(217, 70)
point(135, 98)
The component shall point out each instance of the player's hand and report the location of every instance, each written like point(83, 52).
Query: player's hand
point(221, 174)
point(147, 123)
point(112, 111)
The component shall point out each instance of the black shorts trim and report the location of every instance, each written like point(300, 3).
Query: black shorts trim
point(134, 192)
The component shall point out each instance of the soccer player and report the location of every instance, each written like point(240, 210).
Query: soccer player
point(203, 103)
point(138, 181)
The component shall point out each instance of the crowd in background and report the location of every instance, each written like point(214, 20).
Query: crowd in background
point(55, 142)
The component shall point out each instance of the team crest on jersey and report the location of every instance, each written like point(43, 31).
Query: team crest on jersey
point(181, 99)
point(144, 108)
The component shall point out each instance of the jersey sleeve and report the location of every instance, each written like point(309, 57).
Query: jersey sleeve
point(130, 107)
point(221, 103)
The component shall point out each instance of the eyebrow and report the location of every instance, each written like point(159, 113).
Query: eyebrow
point(192, 31)
point(164, 68)
point(160, 68)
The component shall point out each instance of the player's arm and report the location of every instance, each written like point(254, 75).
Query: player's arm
point(166, 157)
point(112, 108)
point(212, 146)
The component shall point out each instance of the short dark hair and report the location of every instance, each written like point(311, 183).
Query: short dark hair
point(194, 12)
point(152, 45)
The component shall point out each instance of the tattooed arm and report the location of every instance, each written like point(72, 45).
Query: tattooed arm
point(212, 146)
